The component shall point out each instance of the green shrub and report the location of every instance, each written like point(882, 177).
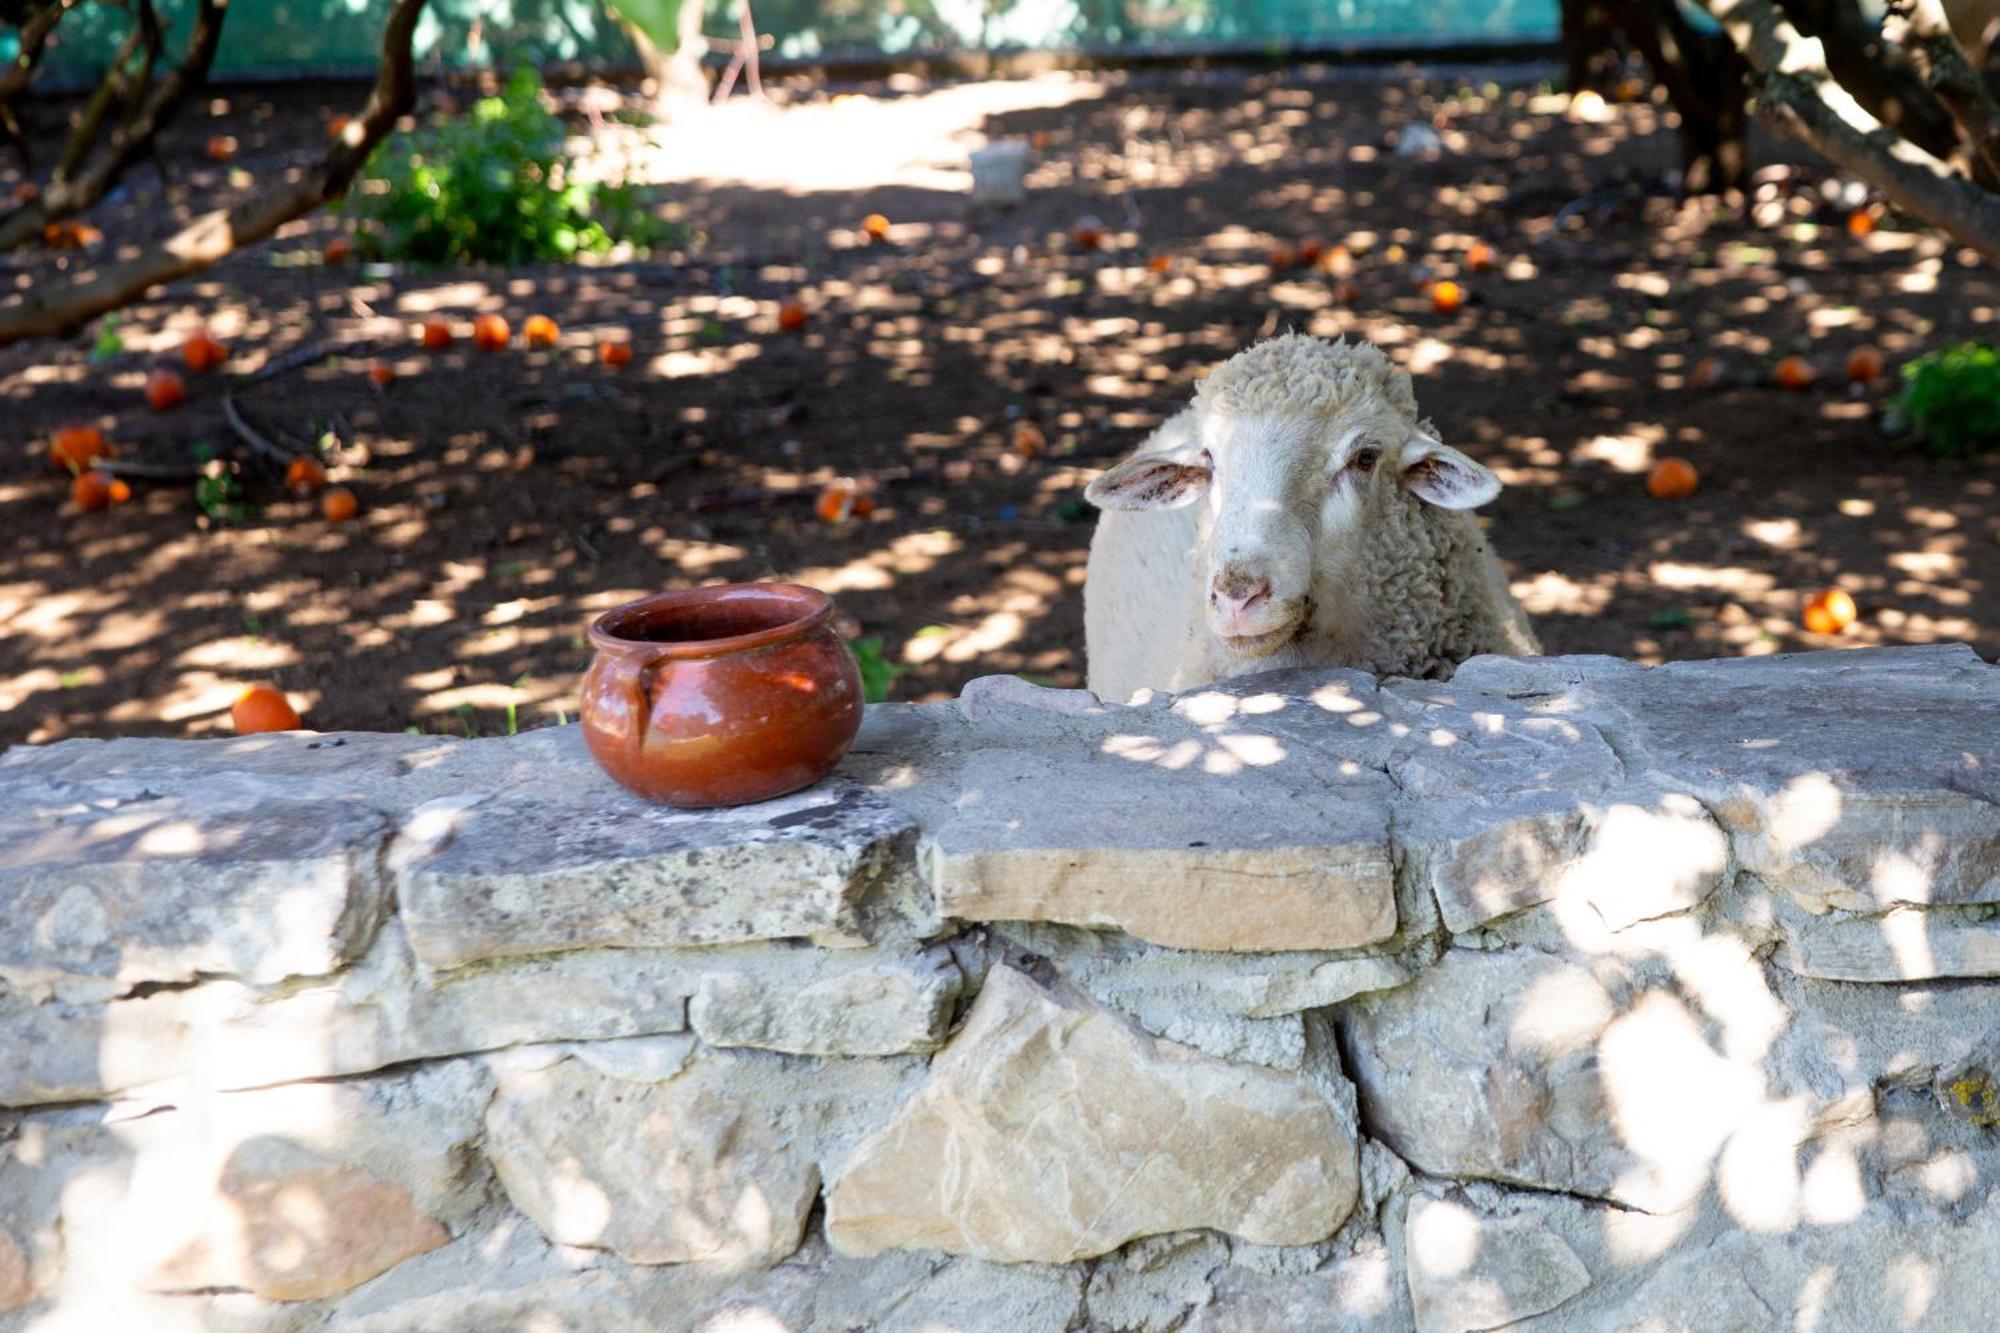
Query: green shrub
point(1951, 400)
point(493, 186)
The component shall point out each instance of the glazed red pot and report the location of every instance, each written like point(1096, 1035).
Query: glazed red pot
point(721, 696)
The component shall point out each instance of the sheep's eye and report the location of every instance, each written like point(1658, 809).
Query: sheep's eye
point(1364, 460)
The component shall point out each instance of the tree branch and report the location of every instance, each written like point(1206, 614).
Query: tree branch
point(1921, 29)
point(128, 141)
point(215, 235)
point(1807, 102)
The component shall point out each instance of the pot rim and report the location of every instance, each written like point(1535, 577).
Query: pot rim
point(812, 609)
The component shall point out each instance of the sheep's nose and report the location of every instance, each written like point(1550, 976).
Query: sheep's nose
point(1234, 594)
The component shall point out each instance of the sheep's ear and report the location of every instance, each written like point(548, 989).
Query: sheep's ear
point(1151, 481)
point(1440, 474)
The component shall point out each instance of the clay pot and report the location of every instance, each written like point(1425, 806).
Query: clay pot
point(721, 696)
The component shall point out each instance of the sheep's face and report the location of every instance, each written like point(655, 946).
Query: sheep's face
point(1290, 502)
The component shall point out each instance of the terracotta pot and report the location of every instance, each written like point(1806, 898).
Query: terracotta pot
point(721, 696)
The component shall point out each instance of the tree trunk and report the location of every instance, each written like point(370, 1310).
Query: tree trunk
point(1705, 78)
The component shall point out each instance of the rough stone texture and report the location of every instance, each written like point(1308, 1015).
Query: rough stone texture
point(680, 1171)
point(1145, 1137)
point(518, 874)
point(888, 1006)
point(1487, 1065)
point(302, 1233)
point(143, 889)
point(1601, 932)
point(1470, 1273)
point(1907, 944)
point(17, 1284)
point(1043, 807)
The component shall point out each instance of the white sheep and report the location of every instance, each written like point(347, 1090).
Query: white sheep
point(1333, 533)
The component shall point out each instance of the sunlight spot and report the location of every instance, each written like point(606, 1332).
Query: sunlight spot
point(1912, 1280)
point(1445, 1239)
point(1810, 1308)
point(1833, 1193)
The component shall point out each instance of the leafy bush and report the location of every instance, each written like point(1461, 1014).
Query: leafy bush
point(492, 186)
point(1951, 400)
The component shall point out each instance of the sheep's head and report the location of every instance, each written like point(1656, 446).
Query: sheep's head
point(1297, 448)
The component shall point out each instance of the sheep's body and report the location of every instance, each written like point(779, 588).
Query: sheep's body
point(1397, 586)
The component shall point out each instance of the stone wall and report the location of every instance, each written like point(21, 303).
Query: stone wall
point(1568, 993)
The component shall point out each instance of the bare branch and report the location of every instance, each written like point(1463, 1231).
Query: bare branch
point(1922, 30)
point(128, 141)
point(1806, 101)
point(215, 235)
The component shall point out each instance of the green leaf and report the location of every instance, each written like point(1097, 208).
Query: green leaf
point(1673, 619)
point(877, 671)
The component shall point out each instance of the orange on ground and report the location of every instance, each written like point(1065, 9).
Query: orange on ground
point(336, 250)
point(875, 227)
point(74, 448)
point(337, 126)
point(339, 505)
point(844, 499)
point(221, 147)
point(1480, 257)
point(26, 193)
point(263, 708)
point(381, 372)
point(1672, 479)
point(1447, 296)
point(70, 235)
point(437, 334)
point(203, 353)
point(165, 389)
point(1347, 293)
point(1029, 442)
point(540, 331)
point(615, 352)
point(1310, 250)
point(1860, 223)
point(1086, 236)
point(1794, 372)
point(94, 490)
point(1337, 261)
point(791, 316)
point(1864, 365)
point(1281, 256)
point(490, 332)
point(1708, 373)
point(304, 476)
point(1829, 611)
point(1160, 263)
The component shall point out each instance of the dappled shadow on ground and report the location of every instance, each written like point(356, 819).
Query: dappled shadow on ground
point(507, 497)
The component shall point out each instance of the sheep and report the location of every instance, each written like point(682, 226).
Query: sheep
point(1334, 532)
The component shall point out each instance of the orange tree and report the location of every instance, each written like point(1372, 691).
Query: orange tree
point(118, 125)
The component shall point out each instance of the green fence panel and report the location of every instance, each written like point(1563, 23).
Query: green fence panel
point(337, 37)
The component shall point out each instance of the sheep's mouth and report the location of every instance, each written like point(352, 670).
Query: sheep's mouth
point(1261, 645)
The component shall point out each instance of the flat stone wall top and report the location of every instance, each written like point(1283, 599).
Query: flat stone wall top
point(1566, 991)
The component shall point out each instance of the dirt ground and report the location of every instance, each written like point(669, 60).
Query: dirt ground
point(508, 497)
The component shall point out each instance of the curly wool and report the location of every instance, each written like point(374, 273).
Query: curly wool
point(1300, 375)
point(1431, 596)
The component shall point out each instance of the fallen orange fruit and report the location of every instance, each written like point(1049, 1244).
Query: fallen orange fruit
point(1829, 611)
point(262, 708)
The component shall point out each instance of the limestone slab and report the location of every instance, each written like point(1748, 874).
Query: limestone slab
point(1907, 944)
point(1251, 863)
point(1071, 1132)
point(518, 873)
point(1857, 780)
point(119, 891)
point(688, 1170)
point(1487, 1066)
point(1469, 1272)
point(873, 1005)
